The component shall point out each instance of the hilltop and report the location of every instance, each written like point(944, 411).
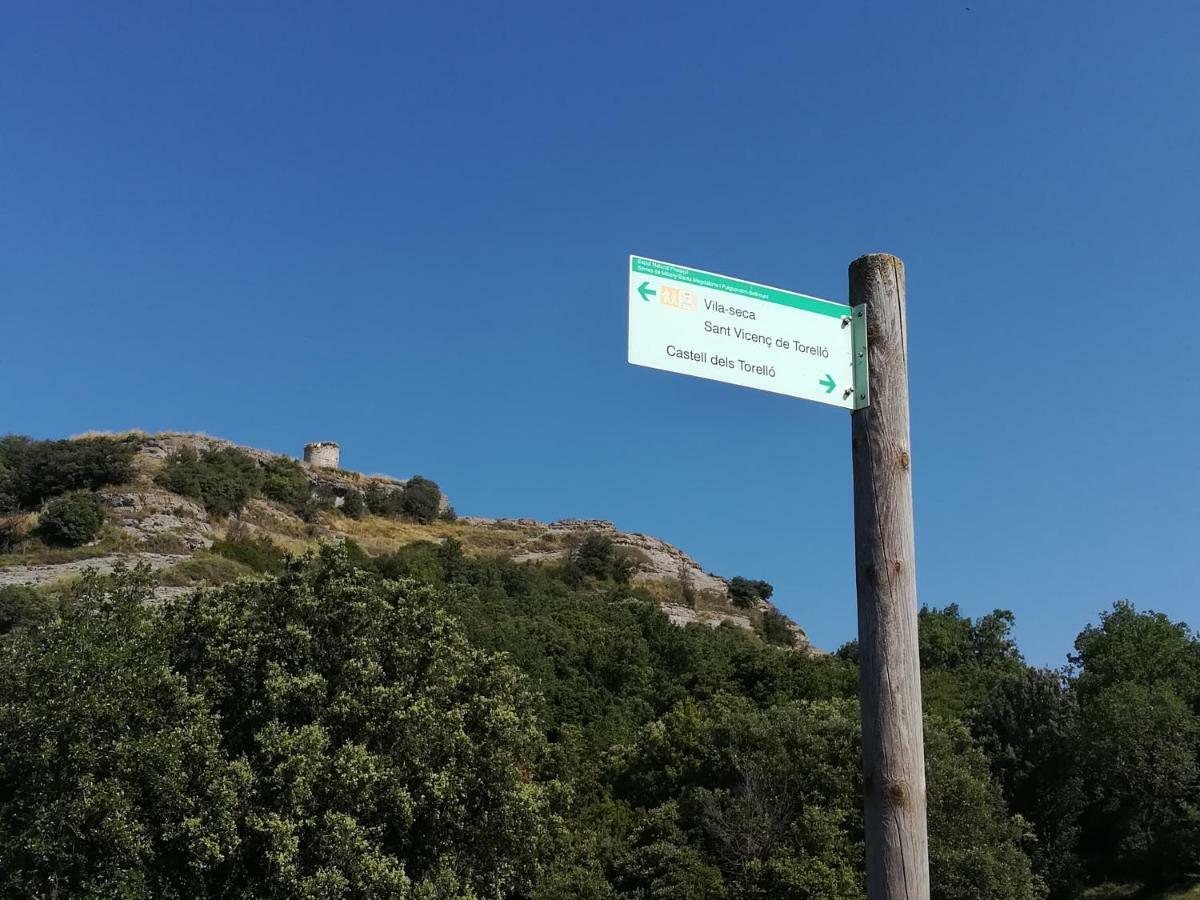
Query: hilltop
point(174, 534)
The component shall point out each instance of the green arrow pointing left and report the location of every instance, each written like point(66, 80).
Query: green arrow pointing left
point(644, 289)
point(828, 383)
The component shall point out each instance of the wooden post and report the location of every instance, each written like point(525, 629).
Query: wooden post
point(888, 665)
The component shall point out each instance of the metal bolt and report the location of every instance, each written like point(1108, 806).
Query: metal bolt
point(846, 393)
point(845, 321)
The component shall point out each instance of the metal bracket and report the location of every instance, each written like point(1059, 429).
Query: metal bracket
point(858, 346)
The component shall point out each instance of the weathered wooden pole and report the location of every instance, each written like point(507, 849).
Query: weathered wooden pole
point(888, 665)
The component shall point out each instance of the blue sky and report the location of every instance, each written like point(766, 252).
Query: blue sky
point(406, 228)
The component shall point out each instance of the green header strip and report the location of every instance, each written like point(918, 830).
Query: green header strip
point(741, 288)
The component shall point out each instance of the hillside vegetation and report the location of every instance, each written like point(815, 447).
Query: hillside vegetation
point(448, 709)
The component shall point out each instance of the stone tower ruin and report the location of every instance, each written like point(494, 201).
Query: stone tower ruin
point(322, 454)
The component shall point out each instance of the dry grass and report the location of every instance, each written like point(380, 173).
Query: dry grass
point(378, 535)
point(663, 590)
point(203, 568)
point(119, 435)
point(275, 519)
point(35, 553)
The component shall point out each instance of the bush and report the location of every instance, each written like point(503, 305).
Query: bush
point(203, 569)
point(224, 480)
point(21, 607)
point(353, 505)
point(776, 629)
point(71, 520)
point(12, 532)
point(594, 556)
point(746, 593)
point(597, 557)
point(389, 757)
point(32, 472)
point(355, 554)
point(284, 481)
point(421, 500)
point(419, 560)
point(136, 798)
point(382, 501)
point(258, 553)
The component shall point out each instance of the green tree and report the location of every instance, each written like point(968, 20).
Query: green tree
point(259, 552)
point(598, 557)
point(1147, 648)
point(1137, 679)
point(285, 481)
point(71, 520)
point(112, 778)
point(1028, 727)
point(421, 499)
point(224, 479)
point(22, 607)
point(31, 471)
point(12, 532)
point(382, 501)
point(747, 593)
point(964, 659)
point(1141, 784)
point(776, 629)
point(975, 846)
point(772, 798)
point(390, 756)
point(353, 505)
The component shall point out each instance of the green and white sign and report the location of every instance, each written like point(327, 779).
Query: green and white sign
point(713, 326)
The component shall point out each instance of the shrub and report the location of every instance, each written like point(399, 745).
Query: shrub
point(8, 488)
point(390, 757)
point(203, 568)
point(71, 520)
point(421, 499)
point(137, 797)
point(382, 501)
point(224, 479)
point(746, 593)
point(284, 481)
point(12, 532)
point(353, 505)
point(21, 607)
point(258, 553)
point(776, 629)
point(32, 472)
point(419, 560)
point(597, 557)
point(594, 556)
point(355, 554)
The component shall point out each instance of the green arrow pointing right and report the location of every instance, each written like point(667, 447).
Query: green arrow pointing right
point(828, 383)
point(643, 289)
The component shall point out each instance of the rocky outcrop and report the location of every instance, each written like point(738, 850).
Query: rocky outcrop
point(151, 515)
point(654, 559)
point(35, 575)
point(686, 615)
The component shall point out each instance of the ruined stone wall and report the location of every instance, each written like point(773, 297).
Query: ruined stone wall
point(323, 454)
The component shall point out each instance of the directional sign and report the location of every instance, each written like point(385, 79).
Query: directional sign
point(713, 326)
